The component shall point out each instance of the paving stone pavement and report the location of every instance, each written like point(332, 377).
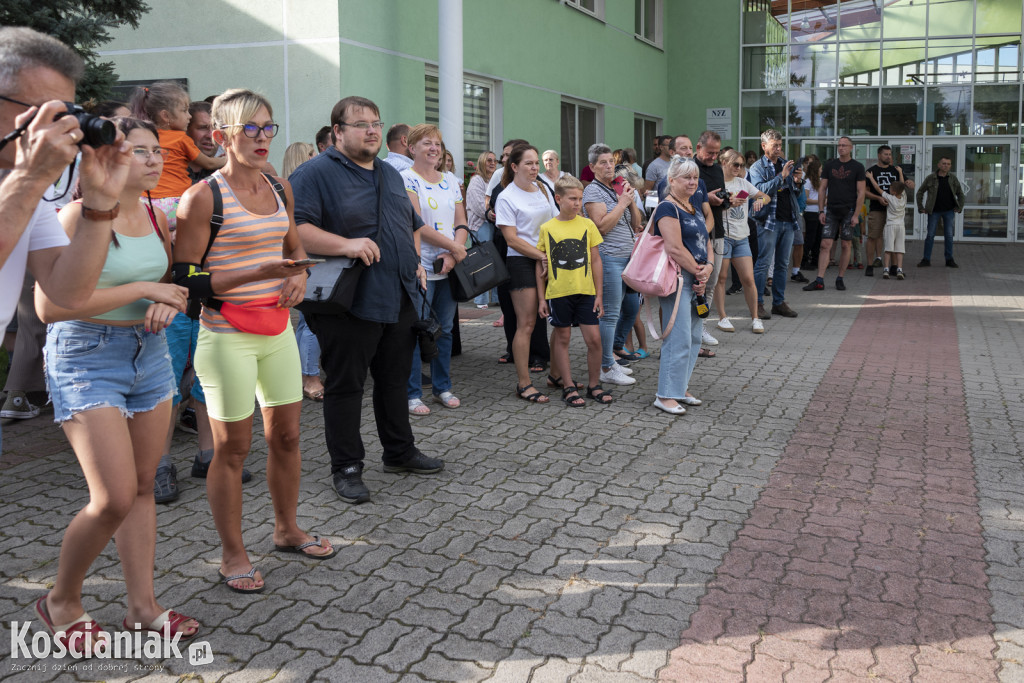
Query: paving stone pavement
point(591, 545)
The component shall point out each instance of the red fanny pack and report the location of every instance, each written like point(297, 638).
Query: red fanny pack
point(260, 316)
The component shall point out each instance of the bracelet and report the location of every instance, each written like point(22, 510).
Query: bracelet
point(97, 215)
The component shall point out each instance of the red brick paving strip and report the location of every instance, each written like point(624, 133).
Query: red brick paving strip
point(863, 557)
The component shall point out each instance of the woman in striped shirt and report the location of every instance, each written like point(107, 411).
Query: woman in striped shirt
point(246, 345)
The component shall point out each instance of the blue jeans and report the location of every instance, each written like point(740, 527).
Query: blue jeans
point(774, 248)
point(627, 316)
point(182, 338)
point(309, 348)
point(439, 295)
point(612, 267)
point(679, 350)
point(486, 234)
point(947, 218)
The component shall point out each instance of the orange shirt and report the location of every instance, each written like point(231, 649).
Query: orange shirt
point(180, 151)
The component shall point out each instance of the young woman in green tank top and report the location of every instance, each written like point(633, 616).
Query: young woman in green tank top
point(109, 377)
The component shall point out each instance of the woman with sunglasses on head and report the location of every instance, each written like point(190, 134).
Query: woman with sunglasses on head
point(246, 345)
point(736, 245)
point(109, 376)
point(681, 224)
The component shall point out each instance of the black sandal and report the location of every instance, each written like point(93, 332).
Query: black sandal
point(535, 397)
point(537, 365)
point(572, 398)
point(600, 395)
point(505, 359)
point(556, 383)
point(706, 353)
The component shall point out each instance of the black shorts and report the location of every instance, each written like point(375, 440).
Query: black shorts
point(523, 272)
point(572, 311)
point(838, 224)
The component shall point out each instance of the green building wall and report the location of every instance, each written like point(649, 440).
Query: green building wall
point(306, 54)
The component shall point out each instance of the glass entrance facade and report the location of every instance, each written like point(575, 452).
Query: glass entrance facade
point(935, 73)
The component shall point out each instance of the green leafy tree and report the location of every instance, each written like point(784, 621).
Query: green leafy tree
point(81, 24)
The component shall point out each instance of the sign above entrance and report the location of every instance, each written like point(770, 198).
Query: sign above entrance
point(720, 120)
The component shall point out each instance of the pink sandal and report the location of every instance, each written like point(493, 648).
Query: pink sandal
point(168, 625)
point(75, 633)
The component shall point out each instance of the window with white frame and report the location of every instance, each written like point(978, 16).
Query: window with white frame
point(594, 8)
point(648, 21)
point(645, 130)
point(477, 105)
point(581, 126)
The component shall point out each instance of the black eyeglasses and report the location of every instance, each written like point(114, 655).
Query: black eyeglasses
point(251, 130)
point(13, 101)
point(20, 130)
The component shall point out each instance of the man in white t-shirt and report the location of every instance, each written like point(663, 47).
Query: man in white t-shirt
point(37, 75)
point(398, 147)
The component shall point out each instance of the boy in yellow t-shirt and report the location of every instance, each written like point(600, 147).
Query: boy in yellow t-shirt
point(569, 282)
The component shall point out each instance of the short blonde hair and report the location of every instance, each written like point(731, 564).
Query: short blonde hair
point(566, 183)
point(423, 130)
point(297, 154)
point(237, 106)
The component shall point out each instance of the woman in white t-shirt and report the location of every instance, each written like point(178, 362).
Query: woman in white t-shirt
point(438, 200)
point(522, 207)
point(736, 246)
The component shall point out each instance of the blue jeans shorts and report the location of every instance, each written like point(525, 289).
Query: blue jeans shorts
point(89, 365)
point(736, 248)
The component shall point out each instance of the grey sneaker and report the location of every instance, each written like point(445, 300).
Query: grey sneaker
point(18, 407)
point(349, 484)
point(165, 484)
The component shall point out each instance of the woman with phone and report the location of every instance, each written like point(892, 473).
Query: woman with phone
point(436, 197)
point(736, 245)
point(609, 201)
point(246, 346)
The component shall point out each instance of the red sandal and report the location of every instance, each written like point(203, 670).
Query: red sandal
point(169, 624)
point(74, 636)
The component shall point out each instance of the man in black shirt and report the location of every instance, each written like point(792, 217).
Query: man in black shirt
point(348, 203)
point(885, 174)
point(840, 196)
point(945, 197)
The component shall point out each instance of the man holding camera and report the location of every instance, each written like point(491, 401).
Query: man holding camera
point(777, 224)
point(37, 79)
point(348, 203)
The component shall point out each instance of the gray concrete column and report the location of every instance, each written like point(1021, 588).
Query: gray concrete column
point(449, 68)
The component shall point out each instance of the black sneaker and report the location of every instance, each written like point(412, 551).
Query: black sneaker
point(734, 289)
point(418, 464)
point(188, 422)
point(349, 484)
point(924, 263)
point(799, 277)
point(165, 484)
point(869, 271)
point(200, 469)
point(815, 286)
point(950, 263)
point(892, 271)
point(840, 285)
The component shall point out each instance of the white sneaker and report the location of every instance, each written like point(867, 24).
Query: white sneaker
point(725, 325)
point(706, 339)
point(625, 370)
point(614, 375)
point(757, 327)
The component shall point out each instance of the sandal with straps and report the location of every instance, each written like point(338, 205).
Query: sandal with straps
point(600, 395)
point(169, 624)
point(535, 397)
point(556, 383)
point(572, 398)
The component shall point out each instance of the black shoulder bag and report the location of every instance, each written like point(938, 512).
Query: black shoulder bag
point(331, 287)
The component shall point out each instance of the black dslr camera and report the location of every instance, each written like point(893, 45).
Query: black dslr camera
point(427, 332)
point(96, 130)
point(726, 197)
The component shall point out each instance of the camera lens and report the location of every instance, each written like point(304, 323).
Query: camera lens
point(97, 131)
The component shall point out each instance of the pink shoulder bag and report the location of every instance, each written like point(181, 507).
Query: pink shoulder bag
point(652, 272)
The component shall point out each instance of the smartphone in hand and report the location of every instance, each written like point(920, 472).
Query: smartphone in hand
point(742, 194)
point(438, 265)
point(619, 184)
point(307, 262)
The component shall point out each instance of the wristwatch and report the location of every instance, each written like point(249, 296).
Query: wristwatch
point(97, 215)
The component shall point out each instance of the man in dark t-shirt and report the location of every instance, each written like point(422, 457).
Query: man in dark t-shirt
point(945, 196)
point(840, 196)
point(884, 174)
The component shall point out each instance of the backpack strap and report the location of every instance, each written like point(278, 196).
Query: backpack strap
point(278, 188)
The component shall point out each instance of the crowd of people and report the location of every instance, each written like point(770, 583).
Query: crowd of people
point(171, 272)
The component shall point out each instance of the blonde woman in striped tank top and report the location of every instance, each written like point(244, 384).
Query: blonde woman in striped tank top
point(251, 263)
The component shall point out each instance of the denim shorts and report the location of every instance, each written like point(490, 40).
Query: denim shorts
point(838, 225)
point(736, 248)
point(89, 365)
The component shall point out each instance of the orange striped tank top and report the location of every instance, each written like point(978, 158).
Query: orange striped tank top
point(245, 241)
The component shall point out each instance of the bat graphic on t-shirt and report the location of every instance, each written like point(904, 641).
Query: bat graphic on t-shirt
point(569, 254)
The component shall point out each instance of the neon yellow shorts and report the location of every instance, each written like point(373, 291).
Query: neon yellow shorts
point(234, 367)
